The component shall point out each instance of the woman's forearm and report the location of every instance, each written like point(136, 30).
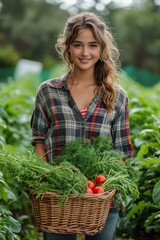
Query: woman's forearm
point(40, 150)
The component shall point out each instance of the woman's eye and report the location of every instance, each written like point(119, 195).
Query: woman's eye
point(77, 45)
point(93, 45)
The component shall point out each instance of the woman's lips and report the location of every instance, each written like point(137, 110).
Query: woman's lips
point(84, 60)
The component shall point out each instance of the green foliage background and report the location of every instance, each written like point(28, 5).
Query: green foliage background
point(140, 220)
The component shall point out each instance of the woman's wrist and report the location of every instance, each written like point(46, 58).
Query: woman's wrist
point(40, 150)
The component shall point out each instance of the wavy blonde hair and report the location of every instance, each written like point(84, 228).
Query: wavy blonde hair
point(106, 70)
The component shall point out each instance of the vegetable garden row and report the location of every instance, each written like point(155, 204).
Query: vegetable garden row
point(140, 220)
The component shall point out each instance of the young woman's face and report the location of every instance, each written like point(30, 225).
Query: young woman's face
point(84, 51)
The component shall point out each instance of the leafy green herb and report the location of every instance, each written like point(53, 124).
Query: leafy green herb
point(31, 172)
point(81, 160)
point(98, 157)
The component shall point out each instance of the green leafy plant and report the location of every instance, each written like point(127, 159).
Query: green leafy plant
point(156, 193)
point(31, 172)
point(8, 56)
point(142, 215)
point(17, 98)
point(9, 226)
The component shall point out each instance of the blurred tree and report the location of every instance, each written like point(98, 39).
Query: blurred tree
point(32, 26)
point(138, 35)
point(13, 6)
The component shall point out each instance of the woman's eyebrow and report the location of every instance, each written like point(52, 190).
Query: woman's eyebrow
point(93, 42)
point(77, 41)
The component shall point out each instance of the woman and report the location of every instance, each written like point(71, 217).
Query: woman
point(84, 103)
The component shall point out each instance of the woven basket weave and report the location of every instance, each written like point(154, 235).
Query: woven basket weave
point(79, 215)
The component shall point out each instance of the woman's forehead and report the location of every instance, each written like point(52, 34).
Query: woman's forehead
point(85, 34)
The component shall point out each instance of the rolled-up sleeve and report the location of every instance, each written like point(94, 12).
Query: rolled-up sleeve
point(39, 122)
point(121, 131)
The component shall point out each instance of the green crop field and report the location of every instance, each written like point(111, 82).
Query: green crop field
point(141, 218)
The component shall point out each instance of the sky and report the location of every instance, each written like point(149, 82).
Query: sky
point(70, 4)
point(89, 3)
point(124, 2)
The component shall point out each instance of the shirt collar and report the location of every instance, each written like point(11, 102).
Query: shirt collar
point(60, 82)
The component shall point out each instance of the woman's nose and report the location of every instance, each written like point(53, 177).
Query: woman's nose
point(85, 51)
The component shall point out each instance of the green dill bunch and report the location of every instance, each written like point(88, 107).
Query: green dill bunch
point(25, 168)
point(102, 144)
point(63, 179)
point(91, 158)
point(79, 152)
point(29, 171)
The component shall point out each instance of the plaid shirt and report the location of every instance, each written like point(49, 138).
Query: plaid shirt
point(57, 120)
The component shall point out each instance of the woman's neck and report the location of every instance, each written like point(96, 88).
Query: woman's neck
point(85, 78)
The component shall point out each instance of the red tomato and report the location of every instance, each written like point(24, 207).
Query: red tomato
point(100, 179)
point(98, 189)
point(90, 184)
point(89, 190)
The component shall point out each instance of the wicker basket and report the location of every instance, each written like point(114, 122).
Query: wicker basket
point(79, 215)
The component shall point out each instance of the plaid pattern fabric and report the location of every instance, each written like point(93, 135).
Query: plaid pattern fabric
point(57, 120)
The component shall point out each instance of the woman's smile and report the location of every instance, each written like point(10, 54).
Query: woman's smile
point(84, 60)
